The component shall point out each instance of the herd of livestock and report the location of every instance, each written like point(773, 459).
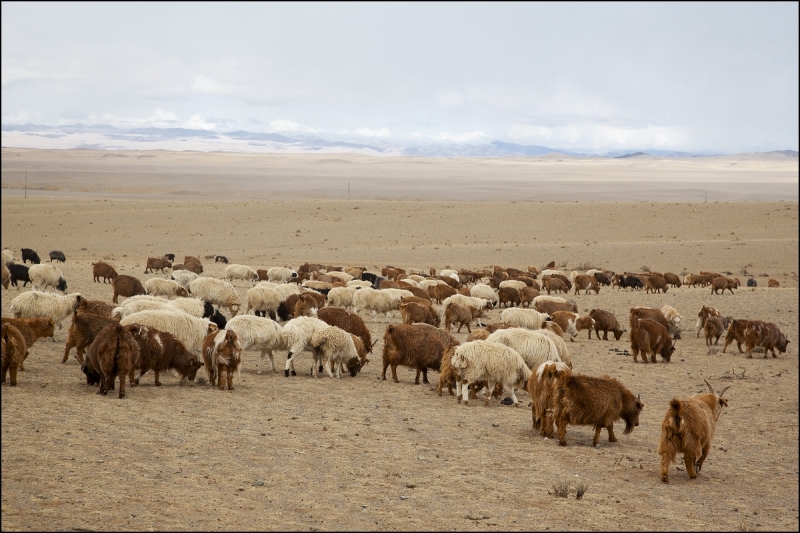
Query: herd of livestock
point(165, 322)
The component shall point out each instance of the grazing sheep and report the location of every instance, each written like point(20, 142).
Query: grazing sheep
point(32, 329)
point(240, 272)
point(217, 292)
point(126, 286)
point(44, 276)
point(379, 301)
point(344, 277)
point(57, 307)
point(336, 346)
point(82, 331)
point(541, 388)
point(462, 315)
point(188, 329)
point(192, 264)
point(112, 355)
point(480, 303)
point(297, 335)
point(13, 352)
point(535, 347)
point(524, 318)
point(513, 283)
point(341, 297)
point(159, 351)
point(8, 257)
point(280, 274)
point(263, 301)
point(165, 287)
point(57, 255)
point(222, 353)
point(491, 362)
point(259, 333)
point(30, 255)
point(359, 283)
point(481, 290)
point(183, 277)
point(219, 259)
point(18, 273)
point(193, 306)
point(549, 329)
point(349, 322)
point(131, 307)
point(286, 289)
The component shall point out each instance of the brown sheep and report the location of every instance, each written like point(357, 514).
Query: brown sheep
point(562, 277)
point(723, 283)
point(413, 346)
point(651, 337)
point(590, 401)
point(555, 284)
point(13, 352)
point(349, 322)
point(82, 331)
point(441, 292)
point(413, 312)
point(103, 270)
point(543, 306)
point(222, 353)
point(160, 351)
point(98, 307)
point(773, 283)
point(480, 334)
point(673, 279)
point(714, 327)
point(192, 264)
point(461, 315)
point(688, 427)
point(157, 263)
point(126, 286)
point(605, 321)
point(509, 296)
point(586, 283)
point(31, 330)
point(526, 296)
point(655, 284)
point(111, 356)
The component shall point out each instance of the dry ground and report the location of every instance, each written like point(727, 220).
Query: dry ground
point(360, 453)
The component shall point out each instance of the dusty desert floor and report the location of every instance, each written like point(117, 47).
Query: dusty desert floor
point(361, 453)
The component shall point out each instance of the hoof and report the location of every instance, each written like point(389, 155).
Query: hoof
point(286, 373)
point(665, 479)
point(294, 373)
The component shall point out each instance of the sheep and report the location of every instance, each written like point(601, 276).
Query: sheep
point(18, 273)
point(111, 355)
point(359, 283)
point(240, 272)
point(32, 329)
point(8, 257)
point(193, 306)
point(138, 305)
point(43, 276)
point(342, 276)
point(513, 283)
point(164, 287)
point(481, 290)
point(535, 347)
point(673, 318)
point(491, 362)
point(462, 315)
point(30, 255)
point(188, 329)
point(541, 388)
point(6, 277)
point(57, 307)
point(548, 298)
point(57, 255)
point(160, 351)
point(286, 289)
point(689, 426)
point(527, 296)
point(342, 297)
point(549, 329)
point(479, 303)
point(126, 286)
point(297, 335)
point(263, 300)
point(259, 333)
point(524, 318)
point(424, 284)
point(336, 346)
point(13, 352)
point(280, 274)
point(217, 292)
point(183, 277)
point(219, 259)
point(222, 353)
point(379, 301)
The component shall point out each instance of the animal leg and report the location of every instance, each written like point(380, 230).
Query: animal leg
point(514, 397)
point(70, 345)
point(706, 449)
point(130, 378)
point(394, 375)
point(596, 438)
point(562, 431)
point(121, 386)
point(425, 376)
point(230, 379)
point(383, 374)
point(458, 390)
point(221, 376)
point(688, 459)
point(158, 383)
point(465, 392)
point(611, 437)
point(665, 467)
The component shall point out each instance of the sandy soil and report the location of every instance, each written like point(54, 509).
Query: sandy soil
point(360, 453)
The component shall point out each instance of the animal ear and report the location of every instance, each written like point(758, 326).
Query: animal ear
point(723, 402)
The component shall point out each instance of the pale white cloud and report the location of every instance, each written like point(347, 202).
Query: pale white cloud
point(284, 125)
point(197, 122)
point(203, 84)
point(600, 136)
point(160, 118)
point(450, 99)
point(10, 74)
point(367, 132)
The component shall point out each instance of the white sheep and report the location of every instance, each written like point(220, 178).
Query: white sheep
point(260, 333)
point(242, 272)
point(409, 281)
point(287, 289)
point(188, 329)
point(593, 271)
point(534, 347)
point(513, 283)
point(344, 277)
point(183, 277)
point(491, 362)
point(297, 335)
point(165, 287)
point(34, 304)
point(333, 345)
point(140, 305)
point(193, 306)
point(523, 318)
point(314, 284)
point(263, 299)
point(8, 257)
point(379, 301)
point(43, 276)
point(280, 274)
point(341, 297)
point(481, 290)
point(416, 278)
point(425, 283)
point(561, 346)
point(217, 292)
point(546, 298)
point(673, 318)
point(359, 283)
point(452, 274)
point(550, 272)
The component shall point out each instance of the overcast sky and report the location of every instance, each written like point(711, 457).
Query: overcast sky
point(693, 77)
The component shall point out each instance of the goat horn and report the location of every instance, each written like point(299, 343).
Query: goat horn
point(709, 386)
point(723, 391)
point(374, 343)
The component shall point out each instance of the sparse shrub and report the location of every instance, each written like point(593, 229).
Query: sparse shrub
point(560, 489)
point(580, 490)
point(645, 268)
point(586, 265)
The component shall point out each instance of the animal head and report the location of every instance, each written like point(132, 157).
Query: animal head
point(632, 418)
point(208, 309)
point(182, 292)
point(721, 402)
point(667, 350)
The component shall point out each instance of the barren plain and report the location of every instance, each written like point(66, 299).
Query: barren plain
point(360, 453)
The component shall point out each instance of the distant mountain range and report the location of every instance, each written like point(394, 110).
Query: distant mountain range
point(105, 137)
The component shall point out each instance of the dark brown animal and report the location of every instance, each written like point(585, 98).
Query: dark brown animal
point(461, 315)
point(31, 329)
point(192, 264)
point(702, 316)
point(672, 279)
point(441, 292)
point(388, 284)
point(766, 335)
point(509, 296)
point(222, 353)
point(103, 270)
point(544, 306)
point(651, 337)
point(413, 346)
point(160, 351)
point(157, 263)
point(605, 321)
point(586, 284)
point(419, 292)
point(555, 284)
point(723, 283)
point(689, 427)
point(736, 332)
point(542, 389)
point(649, 313)
point(413, 312)
point(714, 327)
point(126, 286)
point(590, 401)
point(82, 332)
point(526, 296)
point(773, 283)
point(12, 352)
point(111, 355)
point(98, 307)
point(349, 322)
point(655, 284)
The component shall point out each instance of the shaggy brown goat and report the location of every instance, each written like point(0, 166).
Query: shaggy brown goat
point(350, 322)
point(651, 337)
point(126, 286)
point(103, 270)
point(13, 352)
point(31, 329)
point(413, 346)
point(112, 355)
point(605, 321)
point(222, 353)
point(82, 331)
point(160, 351)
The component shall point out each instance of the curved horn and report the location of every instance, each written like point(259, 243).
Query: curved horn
point(723, 391)
point(709, 386)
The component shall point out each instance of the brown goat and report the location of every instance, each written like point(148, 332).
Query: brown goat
point(605, 321)
point(461, 315)
point(586, 283)
point(590, 401)
point(714, 327)
point(160, 351)
point(222, 353)
point(572, 323)
point(723, 283)
point(773, 283)
point(555, 284)
point(413, 346)
point(509, 296)
point(31, 329)
point(349, 322)
point(126, 286)
point(736, 332)
point(526, 296)
point(82, 331)
point(544, 306)
point(552, 326)
point(767, 335)
point(413, 312)
point(541, 388)
point(98, 307)
point(702, 316)
point(441, 292)
point(112, 355)
point(655, 284)
point(651, 337)
point(157, 263)
point(689, 427)
point(672, 279)
point(13, 352)
point(103, 270)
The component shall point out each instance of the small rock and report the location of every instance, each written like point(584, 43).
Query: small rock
point(258, 483)
point(263, 434)
point(403, 497)
point(410, 486)
point(495, 425)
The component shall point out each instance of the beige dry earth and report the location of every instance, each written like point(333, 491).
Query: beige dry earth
point(360, 453)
